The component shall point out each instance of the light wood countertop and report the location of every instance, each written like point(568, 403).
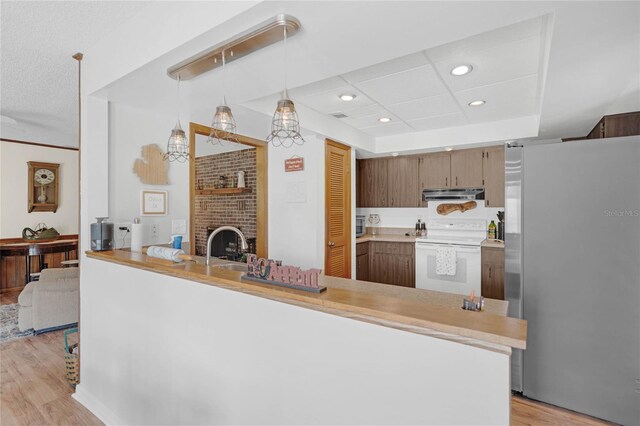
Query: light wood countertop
point(418, 311)
point(387, 238)
point(493, 243)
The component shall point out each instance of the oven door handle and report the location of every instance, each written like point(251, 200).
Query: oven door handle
point(459, 249)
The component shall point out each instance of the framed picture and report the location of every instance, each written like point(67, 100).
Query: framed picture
point(153, 203)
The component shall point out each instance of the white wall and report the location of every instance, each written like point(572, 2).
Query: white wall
point(129, 130)
point(296, 225)
point(407, 217)
point(14, 189)
point(175, 351)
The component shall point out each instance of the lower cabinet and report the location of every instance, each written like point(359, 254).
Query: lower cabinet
point(392, 263)
point(362, 262)
point(492, 272)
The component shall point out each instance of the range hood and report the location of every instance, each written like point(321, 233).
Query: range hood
point(453, 194)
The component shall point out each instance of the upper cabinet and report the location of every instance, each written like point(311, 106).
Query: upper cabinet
point(466, 168)
point(372, 182)
point(399, 181)
point(434, 171)
point(493, 176)
point(388, 182)
point(403, 190)
point(613, 126)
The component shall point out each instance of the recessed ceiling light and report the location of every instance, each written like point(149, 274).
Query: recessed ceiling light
point(448, 149)
point(461, 70)
point(476, 103)
point(347, 97)
point(394, 154)
point(384, 119)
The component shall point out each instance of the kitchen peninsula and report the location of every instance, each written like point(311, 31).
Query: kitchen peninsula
point(200, 346)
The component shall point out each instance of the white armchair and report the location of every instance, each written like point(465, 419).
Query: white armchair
point(51, 302)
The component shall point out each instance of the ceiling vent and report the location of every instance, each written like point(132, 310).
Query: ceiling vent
point(339, 115)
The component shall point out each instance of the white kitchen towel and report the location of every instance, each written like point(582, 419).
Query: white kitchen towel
point(445, 261)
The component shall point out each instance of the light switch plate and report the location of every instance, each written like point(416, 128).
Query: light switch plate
point(179, 226)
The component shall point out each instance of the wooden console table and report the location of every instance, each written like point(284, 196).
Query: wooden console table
point(28, 249)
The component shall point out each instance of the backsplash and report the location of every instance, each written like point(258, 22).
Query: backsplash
point(219, 210)
point(407, 217)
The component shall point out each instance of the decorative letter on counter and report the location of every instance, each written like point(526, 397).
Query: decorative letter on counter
point(267, 271)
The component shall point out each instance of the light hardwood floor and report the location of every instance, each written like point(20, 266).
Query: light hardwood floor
point(34, 390)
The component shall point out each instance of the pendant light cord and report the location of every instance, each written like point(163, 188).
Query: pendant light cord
point(178, 98)
point(286, 95)
point(224, 78)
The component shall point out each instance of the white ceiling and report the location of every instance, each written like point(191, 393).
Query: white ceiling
point(394, 55)
point(418, 92)
point(38, 84)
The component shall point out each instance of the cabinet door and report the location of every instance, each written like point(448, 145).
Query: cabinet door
point(618, 125)
point(358, 174)
point(492, 277)
point(404, 266)
point(434, 171)
point(403, 188)
point(466, 168)
point(362, 267)
point(392, 263)
point(365, 196)
point(377, 267)
point(493, 176)
point(380, 182)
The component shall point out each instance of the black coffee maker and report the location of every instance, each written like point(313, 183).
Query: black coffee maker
point(101, 235)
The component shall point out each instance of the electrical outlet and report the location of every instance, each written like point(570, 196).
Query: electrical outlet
point(154, 230)
point(179, 226)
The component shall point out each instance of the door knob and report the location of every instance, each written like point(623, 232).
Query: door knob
point(331, 244)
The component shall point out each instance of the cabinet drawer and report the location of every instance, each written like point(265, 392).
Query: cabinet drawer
point(362, 248)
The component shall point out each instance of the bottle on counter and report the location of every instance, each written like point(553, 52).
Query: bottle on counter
point(492, 230)
point(423, 229)
point(418, 227)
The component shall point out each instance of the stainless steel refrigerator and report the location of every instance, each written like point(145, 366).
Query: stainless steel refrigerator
point(572, 270)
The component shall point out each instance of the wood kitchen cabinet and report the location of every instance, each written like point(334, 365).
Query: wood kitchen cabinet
point(387, 182)
point(392, 263)
point(492, 277)
point(399, 181)
point(372, 181)
point(493, 176)
point(613, 126)
point(466, 168)
point(403, 190)
point(362, 261)
point(434, 171)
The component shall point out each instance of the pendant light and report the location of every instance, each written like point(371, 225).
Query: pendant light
point(285, 127)
point(178, 144)
point(223, 125)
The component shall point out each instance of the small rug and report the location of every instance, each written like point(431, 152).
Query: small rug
point(9, 324)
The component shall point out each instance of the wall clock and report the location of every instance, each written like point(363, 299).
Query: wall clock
point(44, 181)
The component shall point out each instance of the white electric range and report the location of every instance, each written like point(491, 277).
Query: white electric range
point(465, 237)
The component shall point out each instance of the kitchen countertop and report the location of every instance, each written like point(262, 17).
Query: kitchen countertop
point(418, 311)
point(389, 238)
point(493, 243)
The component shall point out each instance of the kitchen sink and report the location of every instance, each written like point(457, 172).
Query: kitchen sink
point(240, 267)
point(220, 263)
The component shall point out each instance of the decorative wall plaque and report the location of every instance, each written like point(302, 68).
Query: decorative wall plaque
point(151, 168)
point(294, 164)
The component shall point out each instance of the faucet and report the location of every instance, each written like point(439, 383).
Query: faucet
point(243, 240)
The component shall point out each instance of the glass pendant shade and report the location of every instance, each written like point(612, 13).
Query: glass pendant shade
point(285, 127)
point(177, 145)
point(223, 126)
point(223, 119)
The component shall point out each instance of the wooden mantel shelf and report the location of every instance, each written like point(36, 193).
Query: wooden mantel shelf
point(223, 191)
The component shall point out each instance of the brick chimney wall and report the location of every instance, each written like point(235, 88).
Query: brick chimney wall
point(219, 210)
